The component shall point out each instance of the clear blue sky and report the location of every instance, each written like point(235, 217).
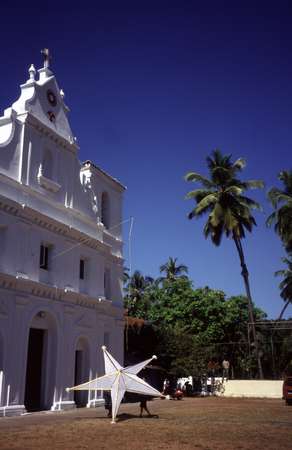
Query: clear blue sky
point(153, 88)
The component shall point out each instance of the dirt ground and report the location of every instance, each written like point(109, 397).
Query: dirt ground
point(193, 423)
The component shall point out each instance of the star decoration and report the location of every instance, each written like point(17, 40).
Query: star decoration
point(118, 380)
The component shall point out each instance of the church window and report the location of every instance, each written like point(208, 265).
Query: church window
point(3, 240)
point(106, 338)
point(44, 257)
point(51, 98)
point(107, 283)
point(47, 165)
point(82, 269)
point(2, 237)
point(105, 210)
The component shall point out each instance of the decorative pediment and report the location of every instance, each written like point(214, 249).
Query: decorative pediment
point(44, 100)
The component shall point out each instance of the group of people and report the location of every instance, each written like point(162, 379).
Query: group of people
point(176, 390)
point(214, 368)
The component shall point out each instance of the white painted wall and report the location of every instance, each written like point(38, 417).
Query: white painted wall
point(253, 388)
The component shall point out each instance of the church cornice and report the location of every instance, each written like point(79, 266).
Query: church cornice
point(40, 196)
point(115, 183)
point(27, 287)
point(32, 216)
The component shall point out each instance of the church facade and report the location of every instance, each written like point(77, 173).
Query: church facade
point(61, 262)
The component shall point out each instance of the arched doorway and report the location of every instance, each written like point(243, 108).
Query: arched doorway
point(81, 373)
point(41, 362)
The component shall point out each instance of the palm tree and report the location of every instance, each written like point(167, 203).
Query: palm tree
point(135, 296)
point(282, 202)
point(229, 212)
point(135, 289)
point(172, 270)
point(126, 276)
point(286, 284)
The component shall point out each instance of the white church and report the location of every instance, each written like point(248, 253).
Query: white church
point(61, 262)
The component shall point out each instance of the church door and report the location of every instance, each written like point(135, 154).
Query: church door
point(79, 396)
point(34, 370)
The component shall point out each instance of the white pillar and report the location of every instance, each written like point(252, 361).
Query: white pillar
point(1, 386)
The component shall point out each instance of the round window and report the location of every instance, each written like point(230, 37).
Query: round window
point(51, 98)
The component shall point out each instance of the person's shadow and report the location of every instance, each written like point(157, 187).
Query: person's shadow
point(124, 416)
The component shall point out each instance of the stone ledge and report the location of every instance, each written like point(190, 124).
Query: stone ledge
point(48, 184)
point(12, 410)
point(63, 405)
point(95, 403)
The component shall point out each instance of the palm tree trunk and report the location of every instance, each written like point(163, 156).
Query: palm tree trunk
point(284, 309)
point(280, 317)
point(244, 273)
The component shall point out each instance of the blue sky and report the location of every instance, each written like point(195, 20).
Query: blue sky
point(153, 88)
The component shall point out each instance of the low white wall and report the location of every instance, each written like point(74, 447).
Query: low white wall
point(252, 388)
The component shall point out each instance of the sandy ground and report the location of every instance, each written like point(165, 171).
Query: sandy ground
point(193, 423)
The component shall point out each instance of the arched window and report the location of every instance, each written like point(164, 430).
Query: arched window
point(47, 165)
point(105, 210)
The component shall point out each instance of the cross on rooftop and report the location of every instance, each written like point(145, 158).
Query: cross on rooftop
point(47, 57)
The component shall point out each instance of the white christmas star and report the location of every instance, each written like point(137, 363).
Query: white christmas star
point(118, 380)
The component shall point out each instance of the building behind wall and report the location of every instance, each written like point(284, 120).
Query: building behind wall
point(61, 260)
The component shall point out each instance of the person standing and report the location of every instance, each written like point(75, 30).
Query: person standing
point(166, 387)
point(225, 369)
point(108, 402)
point(143, 406)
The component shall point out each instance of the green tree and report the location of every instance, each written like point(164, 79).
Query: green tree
point(171, 302)
point(222, 198)
point(187, 321)
point(286, 283)
point(187, 327)
point(172, 270)
point(197, 325)
point(281, 200)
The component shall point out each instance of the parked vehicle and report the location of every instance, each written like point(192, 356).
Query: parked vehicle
point(287, 390)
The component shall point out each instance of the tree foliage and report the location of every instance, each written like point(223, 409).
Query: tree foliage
point(172, 270)
point(222, 197)
point(193, 325)
point(281, 200)
point(286, 283)
point(135, 299)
